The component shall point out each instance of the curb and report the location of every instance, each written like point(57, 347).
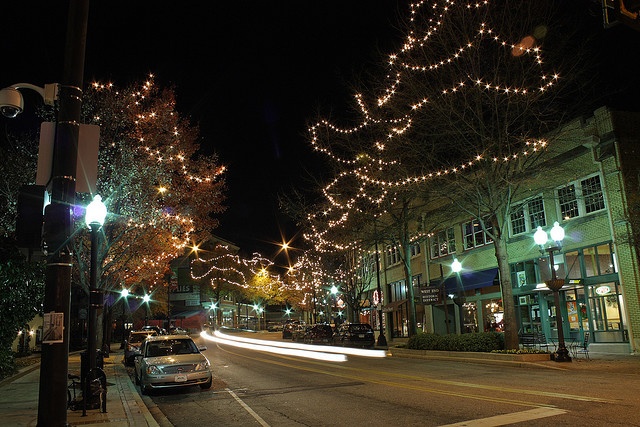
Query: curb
point(516, 360)
point(21, 372)
point(138, 401)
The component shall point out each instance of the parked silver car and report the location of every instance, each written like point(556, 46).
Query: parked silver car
point(133, 344)
point(171, 361)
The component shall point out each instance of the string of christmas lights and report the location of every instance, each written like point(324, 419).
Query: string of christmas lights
point(364, 170)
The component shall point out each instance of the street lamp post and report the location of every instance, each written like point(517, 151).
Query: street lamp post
point(555, 284)
point(456, 267)
point(334, 292)
point(94, 218)
point(125, 308)
point(145, 299)
point(382, 339)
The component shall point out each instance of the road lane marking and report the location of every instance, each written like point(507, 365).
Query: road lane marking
point(368, 377)
point(512, 418)
point(246, 407)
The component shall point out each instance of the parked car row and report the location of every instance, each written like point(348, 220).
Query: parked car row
point(136, 338)
point(134, 342)
point(346, 334)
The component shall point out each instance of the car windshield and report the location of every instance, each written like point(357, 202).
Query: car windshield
point(171, 347)
point(137, 338)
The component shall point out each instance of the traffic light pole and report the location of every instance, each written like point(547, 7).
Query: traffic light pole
point(58, 221)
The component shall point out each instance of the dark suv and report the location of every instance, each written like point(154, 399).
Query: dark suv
point(288, 328)
point(299, 332)
point(355, 335)
point(319, 334)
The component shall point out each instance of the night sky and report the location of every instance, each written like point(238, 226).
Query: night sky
point(252, 74)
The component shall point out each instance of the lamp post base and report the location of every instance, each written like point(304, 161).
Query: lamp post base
point(562, 355)
point(382, 341)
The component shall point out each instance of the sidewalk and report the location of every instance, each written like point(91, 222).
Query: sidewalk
point(125, 407)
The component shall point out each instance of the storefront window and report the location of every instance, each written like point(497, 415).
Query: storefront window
point(605, 260)
point(545, 267)
point(606, 312)
point(529, 309)
point(493, 313)
point(598, 260)
point(470, 317)
point(524, 273)
point(572, 260)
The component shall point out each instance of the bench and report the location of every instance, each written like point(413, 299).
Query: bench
point(534, 340)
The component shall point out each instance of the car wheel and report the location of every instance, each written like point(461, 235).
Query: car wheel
point(206, 385)
point(143, 388)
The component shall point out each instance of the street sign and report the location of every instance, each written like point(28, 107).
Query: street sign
point(430, 295)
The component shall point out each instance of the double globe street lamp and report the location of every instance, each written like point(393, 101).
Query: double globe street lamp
point(94, 218)
point(555, 284)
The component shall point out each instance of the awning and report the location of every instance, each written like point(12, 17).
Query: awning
point(393, 306)
point(471, 280)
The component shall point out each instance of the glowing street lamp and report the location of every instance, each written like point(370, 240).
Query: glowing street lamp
point(94, 217)
point(555, 284)
point(456, 266)
point(258, 310)
point(458, 297)
point(146, 298)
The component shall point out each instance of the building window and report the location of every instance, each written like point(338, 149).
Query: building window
point(417, 280)
point(528, 216)
point(474, 235)
point(367, 266)
point(581, 197)
point(592, 193)
point(523, 274)
point(598, 260)
point(443, 243)
point(393, 255)
point(397, 290)
point(415, 249)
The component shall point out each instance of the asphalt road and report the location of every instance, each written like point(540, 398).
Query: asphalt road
point(256, 388)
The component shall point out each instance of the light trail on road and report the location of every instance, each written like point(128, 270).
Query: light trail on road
point(265, 347)
point(297, 346)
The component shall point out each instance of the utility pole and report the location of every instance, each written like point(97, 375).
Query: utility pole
point(58, 220)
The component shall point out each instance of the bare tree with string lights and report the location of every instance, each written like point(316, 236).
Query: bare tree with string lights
point(466, 109)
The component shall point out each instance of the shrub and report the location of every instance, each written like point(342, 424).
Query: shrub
point(479, 341)
point(7, 363)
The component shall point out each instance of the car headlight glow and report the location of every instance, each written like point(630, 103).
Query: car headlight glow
point(153, 370)
point(202, 366)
